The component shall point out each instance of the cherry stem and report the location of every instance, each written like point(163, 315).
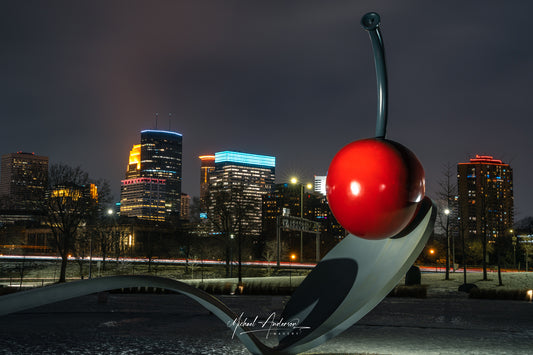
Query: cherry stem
point(371, 22)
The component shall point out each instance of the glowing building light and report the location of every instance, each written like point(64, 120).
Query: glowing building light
point(135, 155)
point(159, 131)
point(245, 158)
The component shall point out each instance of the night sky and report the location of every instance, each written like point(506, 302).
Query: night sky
point(294, 79)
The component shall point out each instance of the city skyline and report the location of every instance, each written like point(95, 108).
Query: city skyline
point(294, 80)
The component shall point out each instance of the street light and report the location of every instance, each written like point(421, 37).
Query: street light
point(231, 255)
point(293, 257)
point(514, 240)
point(432, 253)
point(447, 213)
point(294, 181)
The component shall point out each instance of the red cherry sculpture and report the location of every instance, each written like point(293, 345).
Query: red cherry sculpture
point(374, 187)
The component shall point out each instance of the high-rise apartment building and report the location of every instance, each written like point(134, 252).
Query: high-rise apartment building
point(207, 166)
point(23, 180)
point(246, 177)
point(486, 203)
point(152, 188)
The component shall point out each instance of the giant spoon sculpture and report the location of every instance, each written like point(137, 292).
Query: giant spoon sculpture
point(375, 188)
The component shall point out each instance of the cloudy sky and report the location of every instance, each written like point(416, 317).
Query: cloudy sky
point(294, 79)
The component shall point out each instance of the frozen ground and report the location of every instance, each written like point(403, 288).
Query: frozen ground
point(173, 324)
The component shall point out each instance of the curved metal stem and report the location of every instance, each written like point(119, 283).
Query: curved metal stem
point(370, 22)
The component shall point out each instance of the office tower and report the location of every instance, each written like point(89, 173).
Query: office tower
point(320, 184)
point(207, 166)
point(143, 198)
point(161, 159)
point(185, 206)
point(134, 166)
point(245, 178)
point(284, 200)
point(486, 203)
point(152, 188)
point(24, 179)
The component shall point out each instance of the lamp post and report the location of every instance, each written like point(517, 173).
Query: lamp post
point(447, 213)
point(432, 253)
point(514, 240)
point(231, 255)
point(294, 181)
point(463, 231)
point(293, 257)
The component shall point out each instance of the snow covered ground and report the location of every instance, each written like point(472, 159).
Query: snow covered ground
point(173, 324)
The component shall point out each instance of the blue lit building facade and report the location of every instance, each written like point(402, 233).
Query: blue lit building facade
point(247, 178)
point(152, 188)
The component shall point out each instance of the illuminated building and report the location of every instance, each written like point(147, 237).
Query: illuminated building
point(134, 166)
point(208, 165)
point(486, 203)
point(284, 200)
point(24, 178)
point(161, 159)
point(246, 177)
point(185, 206)
point(152, 188)
point(143, 198)
point(76, 192)
point(320, 184)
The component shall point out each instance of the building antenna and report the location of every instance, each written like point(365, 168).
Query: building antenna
point(156, 115)
point(169, 116)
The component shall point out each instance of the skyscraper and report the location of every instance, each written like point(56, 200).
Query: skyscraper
point(284, 200)
point(134, 166)
point(24, 178)
point(486, 203)
point(246, 178)
point(185, 212)
point(208, 165)
point(143, 198)
point(152, 188)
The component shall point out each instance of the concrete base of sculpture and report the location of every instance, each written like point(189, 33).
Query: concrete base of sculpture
point(350, 280)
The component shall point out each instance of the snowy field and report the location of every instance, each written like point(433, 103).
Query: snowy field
point(438, 286)
point(173, 324)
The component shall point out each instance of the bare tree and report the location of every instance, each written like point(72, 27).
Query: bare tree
point(80, 249)
point(446, 195)
point(227, 217)
point(101, 222)
point(66, 208)
point(70, 207)
point(270, 252)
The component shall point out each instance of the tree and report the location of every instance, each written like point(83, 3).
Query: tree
point(270, 252)
point(100, 222)
point(70, 201)
point(446, 195)
point(80, 249)
point(227, 217)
